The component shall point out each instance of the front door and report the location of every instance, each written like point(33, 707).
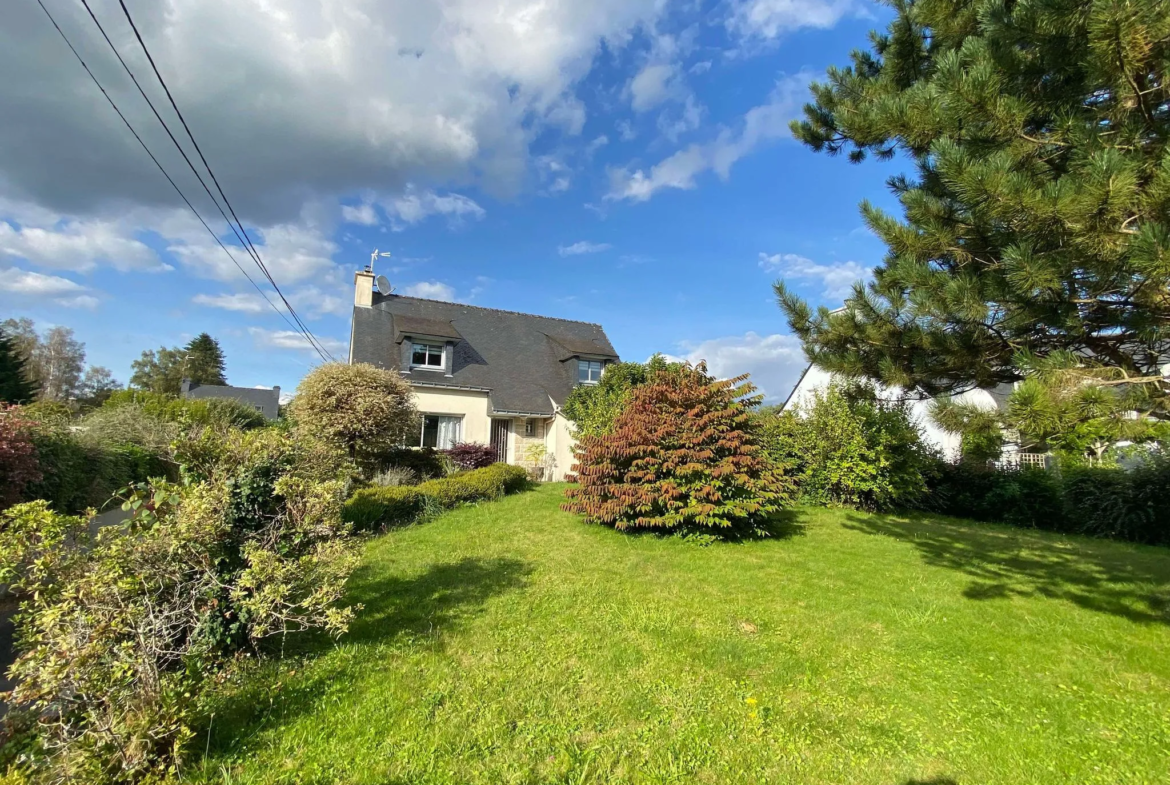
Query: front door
point(500, 439)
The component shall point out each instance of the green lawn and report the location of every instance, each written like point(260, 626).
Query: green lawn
point(511, 643)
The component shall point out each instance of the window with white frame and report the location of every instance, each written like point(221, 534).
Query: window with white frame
point(426, 355)
point(589, 371)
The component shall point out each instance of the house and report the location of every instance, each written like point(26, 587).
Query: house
point(261, 399)
point(481, 374)
point(815, 378)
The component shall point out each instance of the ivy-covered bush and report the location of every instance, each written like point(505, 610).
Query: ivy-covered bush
point(19, 466)
point(848, 448)
point(379, 507)
point(471, 455)
point(118, 641)
point(684, 454)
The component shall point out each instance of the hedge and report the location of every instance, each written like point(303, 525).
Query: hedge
point(1097, 502)
point(371, 508)
point(76, 476)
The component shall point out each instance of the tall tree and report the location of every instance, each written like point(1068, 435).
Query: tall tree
point(16, 385)
point(97, 385)
point(160, 372)
point(204, 361)
point(59, 359)
point(1038, 222)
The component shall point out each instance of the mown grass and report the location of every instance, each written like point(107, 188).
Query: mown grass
point(510, 643)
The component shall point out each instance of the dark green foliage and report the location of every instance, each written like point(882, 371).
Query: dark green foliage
point(204, 361)
point(377, 507)
point(373, 508)
point(1039, 217)
point(15, 384)
point(1123, 505)
point(593, 408)
point(848, 448)
point(425, 462)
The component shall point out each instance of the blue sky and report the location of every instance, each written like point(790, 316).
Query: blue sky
point(625, 162)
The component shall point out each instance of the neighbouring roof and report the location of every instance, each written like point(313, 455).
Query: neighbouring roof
point(523, 360)
point(255, 396)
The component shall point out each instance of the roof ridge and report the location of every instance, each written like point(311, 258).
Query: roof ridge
point(497, 310)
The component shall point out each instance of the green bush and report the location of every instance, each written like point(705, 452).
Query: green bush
point(118, 643)
point(207, 412)
point(381, 507)
point(1124, 505)
point(426, 462)
point(848, 448)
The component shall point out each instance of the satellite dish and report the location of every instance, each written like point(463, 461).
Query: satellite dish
point(384, 286)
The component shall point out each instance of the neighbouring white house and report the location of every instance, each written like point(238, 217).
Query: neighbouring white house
point(481, 374)
point(815, 378)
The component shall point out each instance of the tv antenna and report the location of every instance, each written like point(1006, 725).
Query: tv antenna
point(374, 257)
point(384, 287)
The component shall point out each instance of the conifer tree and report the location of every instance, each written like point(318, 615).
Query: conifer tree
point(1037, 223)
point(204, 363)
point(15, 385)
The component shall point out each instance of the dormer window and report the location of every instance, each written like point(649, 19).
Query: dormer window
point(589, 371)
point(426, 355)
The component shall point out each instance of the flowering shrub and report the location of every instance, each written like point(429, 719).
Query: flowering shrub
point(18, 456)
point(470, 455)
point(683, 454)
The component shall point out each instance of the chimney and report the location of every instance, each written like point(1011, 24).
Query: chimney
point(363, 285)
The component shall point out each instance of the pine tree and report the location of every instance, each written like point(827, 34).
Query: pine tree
point(204, 363)
point(15, 385)
point(1038, 222)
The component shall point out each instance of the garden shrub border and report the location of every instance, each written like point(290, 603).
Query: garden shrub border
point(380, 508)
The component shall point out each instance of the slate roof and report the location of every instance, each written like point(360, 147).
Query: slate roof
point(525, 362)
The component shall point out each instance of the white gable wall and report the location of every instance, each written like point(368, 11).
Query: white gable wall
point(816, 379)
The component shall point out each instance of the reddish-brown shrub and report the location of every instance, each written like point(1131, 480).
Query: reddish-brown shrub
point(684, 454)
point(471, 455)
point(18, 456)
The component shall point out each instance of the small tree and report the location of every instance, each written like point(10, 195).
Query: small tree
point(18, 456)
point(204, 362)
point(592, 408)
point(365, 410)
point(16, 384)
point(97, 385)
point(683, 454)
point(158, 372)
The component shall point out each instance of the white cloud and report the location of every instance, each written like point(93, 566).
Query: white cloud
point(689, 117)
point(77, 245)
point(363, 214)
point(430, 290)
point(596, 144)
point(582, 247)
point(241, 303)
point(761, 124)
point(653, 85)
point(290, 339)
point(626, 131)
point(775, 362)
point(836, 279)
point(292, 252)
point(323, 98)
point(30, 286)
point(414, 206)
point(701, 67)
point(768, 19)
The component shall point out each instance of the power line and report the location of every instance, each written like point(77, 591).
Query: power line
point(250, 250)
point(246, 239)
point(159, 165)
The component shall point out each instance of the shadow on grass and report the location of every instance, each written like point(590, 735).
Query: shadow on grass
point(426, 606)
point(1130, 583)
point(932, 781)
